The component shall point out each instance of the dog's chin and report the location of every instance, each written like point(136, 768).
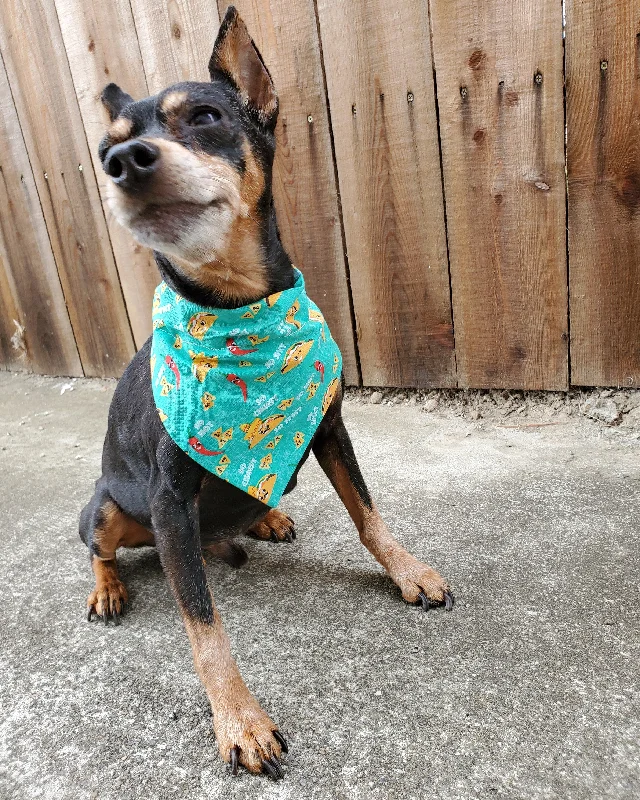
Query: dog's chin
point(189, 231)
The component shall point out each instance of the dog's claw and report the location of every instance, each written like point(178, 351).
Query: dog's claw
point(288, 537)
point(448, 601)
point(278, 766)
point(234, 760)
point(273, 768)
point(270, 770)
point(424, 601)
point(274, 536)
point(281, 741)
point(89, 614)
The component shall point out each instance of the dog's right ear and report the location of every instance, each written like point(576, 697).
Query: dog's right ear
point(114, 100)
point(236, 59)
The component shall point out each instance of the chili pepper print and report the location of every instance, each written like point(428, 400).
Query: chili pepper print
point(174, 368)
point(320, 367)
point(201, 450)
point(233, 348)
point(239, 383)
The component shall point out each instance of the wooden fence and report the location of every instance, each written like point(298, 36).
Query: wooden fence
point(450, 233)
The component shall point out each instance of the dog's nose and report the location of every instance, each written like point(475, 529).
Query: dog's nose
point(131, 164)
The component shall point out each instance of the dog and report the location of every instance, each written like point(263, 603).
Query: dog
point(190, 176)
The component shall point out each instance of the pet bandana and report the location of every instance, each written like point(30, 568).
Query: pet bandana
point(243, 390)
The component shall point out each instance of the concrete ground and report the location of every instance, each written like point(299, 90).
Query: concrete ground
point(529, 689)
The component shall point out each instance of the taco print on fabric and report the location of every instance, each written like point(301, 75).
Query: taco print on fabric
point(242, 391)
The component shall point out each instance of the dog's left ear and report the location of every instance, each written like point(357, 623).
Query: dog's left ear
point(114, 100)
point(236, 58)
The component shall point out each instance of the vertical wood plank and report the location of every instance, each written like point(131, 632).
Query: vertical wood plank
point(32, 307)
point(102, 46)
point(45, 100)
point(176, 39)
point(502, 133)
point(379, 75)
point(603, 163)
point(304, 183)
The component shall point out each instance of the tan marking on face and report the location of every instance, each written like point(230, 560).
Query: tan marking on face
point(173, 103)
point(253, 179)
point(120, 130)
point(238, 271)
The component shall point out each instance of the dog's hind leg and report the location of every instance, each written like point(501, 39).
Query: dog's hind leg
point(274, 526)
point(103, 528)
point(418, 582)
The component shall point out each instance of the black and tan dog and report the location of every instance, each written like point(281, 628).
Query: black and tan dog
point(191, 178)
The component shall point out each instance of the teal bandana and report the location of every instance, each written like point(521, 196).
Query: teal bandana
point(243, 390)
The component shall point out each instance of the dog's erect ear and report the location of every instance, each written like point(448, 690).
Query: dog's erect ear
point(236, 58)
point(114, 100)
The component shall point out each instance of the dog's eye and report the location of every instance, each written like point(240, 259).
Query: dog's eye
point(205, 116)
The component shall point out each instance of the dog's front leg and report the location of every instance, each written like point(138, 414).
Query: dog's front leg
point(245, 733)
point(334, 451)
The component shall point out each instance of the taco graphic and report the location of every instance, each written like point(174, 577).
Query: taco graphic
point(264, 488)
point(295, 355)
point(331, 392)
point(200, 323)
point(255, 431)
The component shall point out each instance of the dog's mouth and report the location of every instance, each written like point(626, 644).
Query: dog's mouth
point(190, 230)
point(155, 223)
point(172, 214)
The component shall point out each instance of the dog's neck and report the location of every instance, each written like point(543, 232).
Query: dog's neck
point(232, 287)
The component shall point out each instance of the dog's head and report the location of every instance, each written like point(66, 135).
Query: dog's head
point(190, 168)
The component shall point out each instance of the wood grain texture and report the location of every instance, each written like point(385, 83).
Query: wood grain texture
point(35, 332)
point(503, 158)
point(102, 46)
point(379, 76)
point(176, 39)
point(45, 100)
point(304, 183)
point(603, 161)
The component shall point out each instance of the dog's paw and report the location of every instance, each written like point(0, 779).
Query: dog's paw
point(276, 527)
point(248, 736)
point(109, 601)
point(421, 584)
